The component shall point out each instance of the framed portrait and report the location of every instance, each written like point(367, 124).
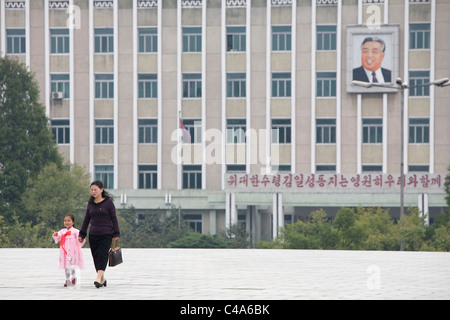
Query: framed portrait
point(372, 56)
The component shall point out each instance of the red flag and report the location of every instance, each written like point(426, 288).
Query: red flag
point(186, 133)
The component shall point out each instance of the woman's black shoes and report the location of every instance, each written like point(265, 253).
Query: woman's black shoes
point(99, 285)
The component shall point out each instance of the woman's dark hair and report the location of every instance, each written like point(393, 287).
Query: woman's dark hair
point(105, 194)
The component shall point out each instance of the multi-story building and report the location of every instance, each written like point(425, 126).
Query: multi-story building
point(242, 111)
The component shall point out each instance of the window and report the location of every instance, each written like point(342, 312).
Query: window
point(192, 85)
point(61, 131)
point(60, 83)
point(148, 177)
point(194, 221)
point(419, 130)
point(236, 85)
point(372, 130)
point(148, 85)
point(104, 131)
point(326, 38)
point(236, 129)
point(326, 168)
point(418, 168)
point(195, 129)
point(105, 173)
point(238, 168)
point(104, 86)
point(326, 84)
point(104, 40)
point(148, 40)
point(236, 39)
point(192, 177)
point(417, 78)
point(325, 130)
point(372, 168)
point(282, 168)
point(281, 84)
point(281, 130)
point(281, 38)
point(192, 39)
point(148, 130)
point(15, 41)
point(419, 36)
point(59, 41)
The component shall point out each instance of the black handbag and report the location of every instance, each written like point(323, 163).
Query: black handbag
point(115, 255)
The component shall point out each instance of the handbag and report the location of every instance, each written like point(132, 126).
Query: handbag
point(115, 255)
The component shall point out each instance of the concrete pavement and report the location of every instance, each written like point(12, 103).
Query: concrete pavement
point(222, 274)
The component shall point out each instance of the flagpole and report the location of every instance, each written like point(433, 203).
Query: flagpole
point(179, 127)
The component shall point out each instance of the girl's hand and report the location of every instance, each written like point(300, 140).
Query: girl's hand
point(55, 234)
point(80, 239)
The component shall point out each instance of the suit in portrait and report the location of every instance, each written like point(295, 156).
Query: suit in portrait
point(360, 74)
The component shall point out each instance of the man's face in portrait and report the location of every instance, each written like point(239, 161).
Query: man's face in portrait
point(372, 55)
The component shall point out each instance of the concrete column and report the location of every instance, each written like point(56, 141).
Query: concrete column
point(423, 206)
point(231, 217)
point(212, 222)
point(277, 214)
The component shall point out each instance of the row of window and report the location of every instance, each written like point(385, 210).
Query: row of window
point(147, 176)
point(192, 174)
point(372, 131)
point(419, 38)
point(236, 85)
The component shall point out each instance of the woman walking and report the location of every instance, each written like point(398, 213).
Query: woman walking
point(101, 214)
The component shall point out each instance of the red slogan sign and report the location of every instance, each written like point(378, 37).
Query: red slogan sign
point(335, 183)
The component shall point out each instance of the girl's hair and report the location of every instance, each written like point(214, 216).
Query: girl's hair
point(105, 194)
point(71, 217)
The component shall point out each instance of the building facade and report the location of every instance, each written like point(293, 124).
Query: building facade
point(220, 109)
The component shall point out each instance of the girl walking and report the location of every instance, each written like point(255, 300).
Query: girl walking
point(70, 255)
point(101, 215)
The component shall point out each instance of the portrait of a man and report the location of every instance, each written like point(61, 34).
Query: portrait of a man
point(373, 51)
point(373, 57)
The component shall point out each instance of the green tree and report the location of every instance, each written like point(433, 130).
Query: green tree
point(56, 192)
point(380, 233)
point(350, 234)
point(154, 231)
point(412, 230)
point(26, 143)
point(316, 233)
point(441, 238)
point(198, 240)
point(237, 236)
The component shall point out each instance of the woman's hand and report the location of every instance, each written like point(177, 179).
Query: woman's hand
point(80, 239)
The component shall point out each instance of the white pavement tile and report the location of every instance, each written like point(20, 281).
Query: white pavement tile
point(221, 274)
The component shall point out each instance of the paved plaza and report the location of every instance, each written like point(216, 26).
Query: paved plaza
point(222, 274)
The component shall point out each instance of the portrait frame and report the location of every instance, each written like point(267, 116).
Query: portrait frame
point(389, 33)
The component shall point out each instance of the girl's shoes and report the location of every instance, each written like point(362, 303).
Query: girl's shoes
point(69, 283)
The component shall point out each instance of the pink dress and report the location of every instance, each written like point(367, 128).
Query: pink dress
point(70, 255)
